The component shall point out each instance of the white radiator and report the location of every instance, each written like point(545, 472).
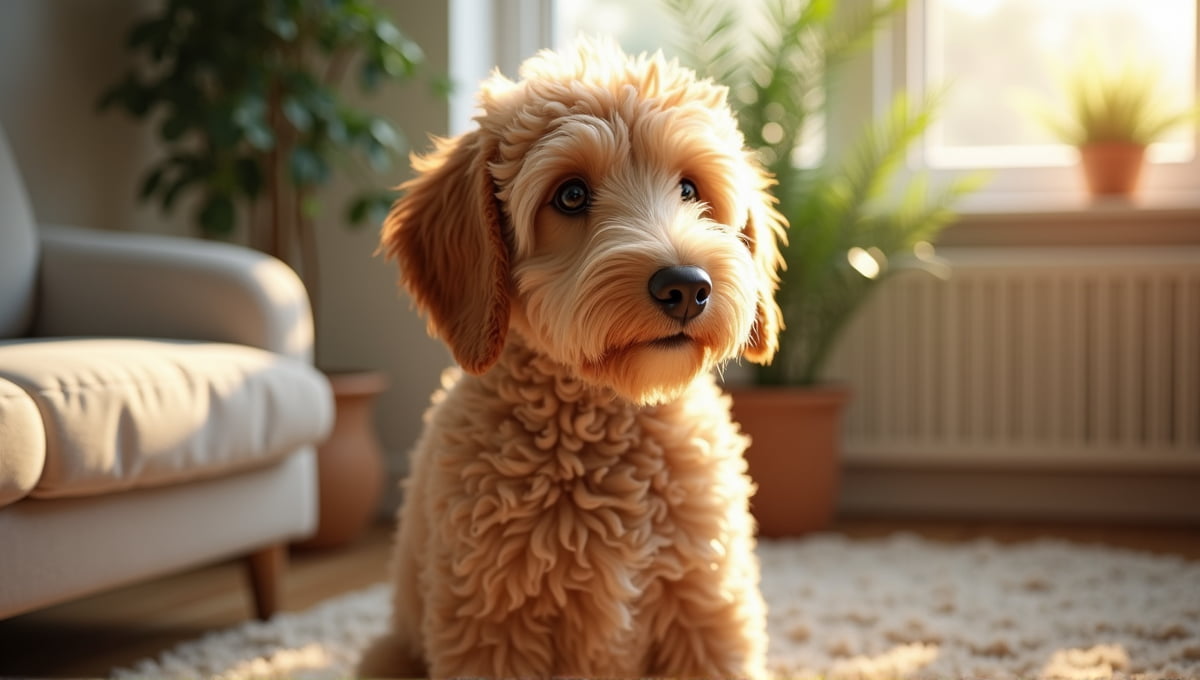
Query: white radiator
point(1070, 358)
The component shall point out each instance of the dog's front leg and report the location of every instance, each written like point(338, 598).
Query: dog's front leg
point(516, 645)
point(714, 627)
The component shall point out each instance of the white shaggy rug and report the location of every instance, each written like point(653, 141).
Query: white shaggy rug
point(901, 607)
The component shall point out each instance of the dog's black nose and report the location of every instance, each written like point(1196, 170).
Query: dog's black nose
point(681, 292)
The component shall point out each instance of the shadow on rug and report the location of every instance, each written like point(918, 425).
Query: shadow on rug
point(901, 607)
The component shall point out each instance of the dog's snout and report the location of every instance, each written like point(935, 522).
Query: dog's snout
point(681, 292)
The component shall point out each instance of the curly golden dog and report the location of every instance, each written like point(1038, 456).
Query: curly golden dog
point(578, 501)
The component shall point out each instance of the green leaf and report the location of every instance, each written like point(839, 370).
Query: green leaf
point(358, 210)
point(250, 110)
point(281, 20)
point(216, 215)
point(310, 207)
point(372, 74)
point(442, 86)
point(175, 188)
point(297, 114)
point(260, 137)
point(386, 135)
point(249, 176)
point(307, 167)
point(379, 208)
point(377, 155)
point(174, 127)
point(146, 32)
point(151, 183)
point(369, 209)
point(387, 33)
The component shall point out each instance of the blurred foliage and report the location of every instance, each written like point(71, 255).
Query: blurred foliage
point(247, 98)
point(1107, 104)
point(779, 66)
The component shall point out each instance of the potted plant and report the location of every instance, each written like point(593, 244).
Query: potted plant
point(847, 231)
point(1111, 116)
point(247, 99)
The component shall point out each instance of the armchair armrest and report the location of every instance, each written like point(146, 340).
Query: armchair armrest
point(95, 282)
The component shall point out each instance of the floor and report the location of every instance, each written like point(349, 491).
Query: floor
point(91, 636)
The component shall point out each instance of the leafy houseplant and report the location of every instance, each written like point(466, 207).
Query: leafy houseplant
point(246, 96)
point(840, 211)
point(846, 227)
point(1111, 116)
point(247, 99)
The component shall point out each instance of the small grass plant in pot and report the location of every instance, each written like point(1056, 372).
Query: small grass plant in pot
point(251, 102)
point(1111, 116)
point(852, 219)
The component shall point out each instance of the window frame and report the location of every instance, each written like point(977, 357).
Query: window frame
point(898, 64)
point(489, 34)
point(486, 35)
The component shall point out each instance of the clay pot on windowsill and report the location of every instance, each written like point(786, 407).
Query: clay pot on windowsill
point(1112, 168)
point(350, 469)
point(794, 456)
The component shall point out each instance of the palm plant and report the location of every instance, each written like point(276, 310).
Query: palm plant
point(1122, 105)
point(849, 218)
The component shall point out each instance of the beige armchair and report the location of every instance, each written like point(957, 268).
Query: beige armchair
point(158, 408)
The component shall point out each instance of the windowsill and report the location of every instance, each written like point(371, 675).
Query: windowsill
point(1045, 205)
point(1044, 219)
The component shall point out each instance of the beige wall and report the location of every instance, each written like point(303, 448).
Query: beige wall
point(83, 168)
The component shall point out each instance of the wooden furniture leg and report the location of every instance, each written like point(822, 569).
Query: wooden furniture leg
point(265, 568)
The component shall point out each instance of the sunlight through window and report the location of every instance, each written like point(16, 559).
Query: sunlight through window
point(1005, 59)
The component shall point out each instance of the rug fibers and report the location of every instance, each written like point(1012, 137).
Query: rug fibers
point(898, 607)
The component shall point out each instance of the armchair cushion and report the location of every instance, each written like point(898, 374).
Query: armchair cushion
point(22, 443)
point(122, 413)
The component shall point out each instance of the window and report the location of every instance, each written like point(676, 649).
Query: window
point(1004, 59)
point(638, 25)
point(999, 61)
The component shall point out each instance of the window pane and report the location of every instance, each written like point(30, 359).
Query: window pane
point(637, 25)
point(1002, 59)
point(646, 26)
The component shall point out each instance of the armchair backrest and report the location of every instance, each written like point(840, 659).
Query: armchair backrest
point(18, 249)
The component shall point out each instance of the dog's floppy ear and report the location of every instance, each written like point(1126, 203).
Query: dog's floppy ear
point(765, 231)
point(445, 232)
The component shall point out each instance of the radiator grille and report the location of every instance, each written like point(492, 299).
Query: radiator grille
point(1036, 356)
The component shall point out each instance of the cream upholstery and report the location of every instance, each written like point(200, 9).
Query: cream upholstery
point(22, 443)
point(182, 288)
point(158, 406)
point(125, 413)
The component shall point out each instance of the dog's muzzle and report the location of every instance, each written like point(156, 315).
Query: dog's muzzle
point(681, 292)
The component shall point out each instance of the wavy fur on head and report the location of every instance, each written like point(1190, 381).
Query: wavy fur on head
point(577, 503)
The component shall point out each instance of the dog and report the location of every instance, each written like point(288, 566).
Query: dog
point(578, 503)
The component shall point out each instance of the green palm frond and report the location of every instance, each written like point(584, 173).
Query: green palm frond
point(780, 79)
point(711, 43)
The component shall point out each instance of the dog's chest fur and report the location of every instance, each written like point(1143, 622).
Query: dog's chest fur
point(578, 515)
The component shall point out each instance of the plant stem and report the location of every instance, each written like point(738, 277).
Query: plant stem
point(310, 268)
point(275, 180)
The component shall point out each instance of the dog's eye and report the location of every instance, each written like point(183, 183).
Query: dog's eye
point(572, 197)
point(688, 191)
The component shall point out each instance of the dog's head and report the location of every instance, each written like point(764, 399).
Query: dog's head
point(606, 211)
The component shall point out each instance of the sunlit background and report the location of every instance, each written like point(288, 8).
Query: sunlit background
point(1001, 56)
point(999, 59)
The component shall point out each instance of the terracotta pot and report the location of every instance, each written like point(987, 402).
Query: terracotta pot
point(350, 470)
point(1112, 168)
point(794, 456)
